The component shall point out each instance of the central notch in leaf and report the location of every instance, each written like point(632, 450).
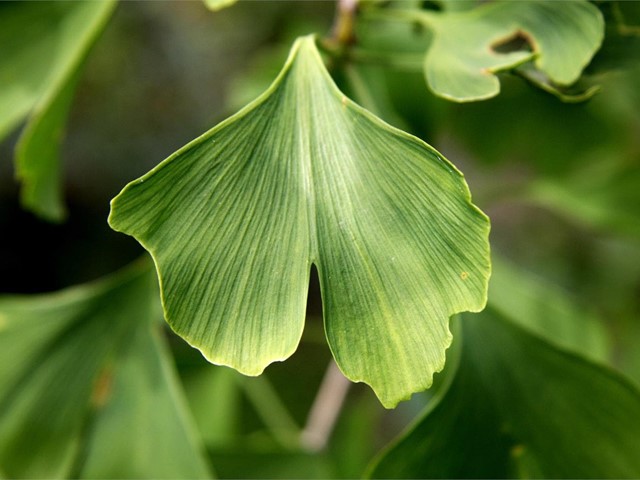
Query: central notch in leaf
point(235, 219)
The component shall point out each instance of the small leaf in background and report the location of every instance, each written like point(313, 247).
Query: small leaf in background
point(519, 407)
point(43, 47)
point(573, 94)
point(465, 52)
point(304, 176)
point(87, 386)
point(37, 159)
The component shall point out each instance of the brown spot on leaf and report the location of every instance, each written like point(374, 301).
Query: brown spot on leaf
point(517, 450)
point(102, 388)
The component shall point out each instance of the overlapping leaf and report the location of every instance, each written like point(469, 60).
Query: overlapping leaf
point(43, 45)
point(302, 176)
point(543, 308)
point(81, 371)
point(519, 407)
point(463, 57)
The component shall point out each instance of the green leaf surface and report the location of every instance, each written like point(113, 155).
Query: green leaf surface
point(545, 309)
point(302, 176)
point(37, 156)
point(465, 55)
point(519, 407)
point(573, 94)
point(43, 47)
point(218, 426)
point(84, 368)
point(603, 195)
point(272, 464)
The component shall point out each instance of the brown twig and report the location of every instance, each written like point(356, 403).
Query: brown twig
point(325, 409)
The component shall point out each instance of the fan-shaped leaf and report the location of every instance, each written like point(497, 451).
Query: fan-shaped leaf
point(43, 47)
point(304, 176)
point(82, 369)
point(519, 407)
point(464, 54)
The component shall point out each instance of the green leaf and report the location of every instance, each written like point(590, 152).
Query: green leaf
point(302, 176)
point(80, 370)
point(147, 409)
point(270, 463)
point(573, 94)
point(372, 94)
point(545, 309)
point(464, 55)
point(457, 5)
point(37, 157)
point(43, 47)
point(218, 426)
point(603, 195)
point(519, 407)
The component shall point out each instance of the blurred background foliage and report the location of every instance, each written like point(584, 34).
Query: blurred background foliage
point(560, 182)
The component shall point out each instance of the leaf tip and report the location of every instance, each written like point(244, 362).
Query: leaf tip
point(391, 399)
point(253, 369)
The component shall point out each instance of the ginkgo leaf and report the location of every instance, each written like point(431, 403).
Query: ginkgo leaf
point(84, 368)
point(464, 54)
point(519, 407)
point(43, 47)
point(37, 156)
point(235, 219)
point(573, 94)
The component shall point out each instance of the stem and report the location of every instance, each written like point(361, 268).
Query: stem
point(362, 94)
point(325, 409)
point(272, 411)
point(623, 28)
point(371, 91)
point(342, 31)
